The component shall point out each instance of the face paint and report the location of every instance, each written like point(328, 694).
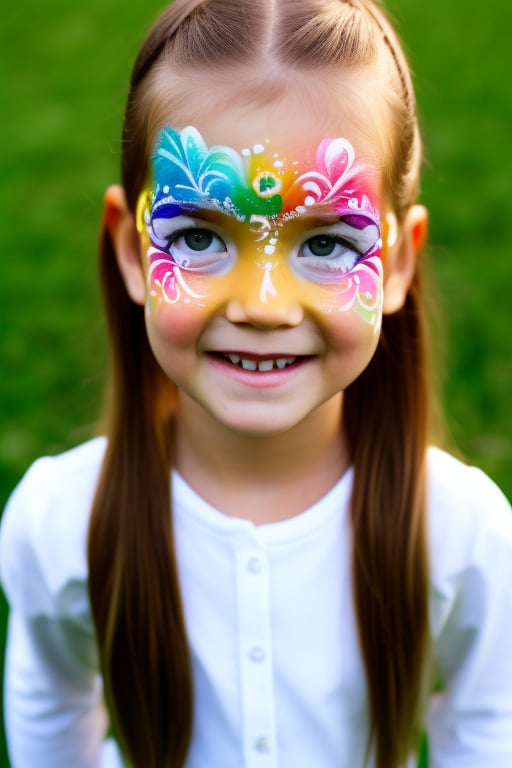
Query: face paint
point(270, 201)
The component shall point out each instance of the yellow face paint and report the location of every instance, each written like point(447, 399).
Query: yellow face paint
point(259, 226)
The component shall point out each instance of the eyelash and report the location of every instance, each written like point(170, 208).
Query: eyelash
point(205, 260)
point(194, 231)
point(334, 240)
point(344, 256)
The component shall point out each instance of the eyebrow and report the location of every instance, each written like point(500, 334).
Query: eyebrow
point(316, 215)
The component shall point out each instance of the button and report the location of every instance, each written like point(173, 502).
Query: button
point(254, 565)
point(262, 745)
point(257, 654)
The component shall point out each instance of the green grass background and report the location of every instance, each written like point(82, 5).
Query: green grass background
point(63, 76)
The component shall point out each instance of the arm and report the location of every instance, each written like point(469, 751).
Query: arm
point(54, 714)
point(54, 711)
point(470, 721)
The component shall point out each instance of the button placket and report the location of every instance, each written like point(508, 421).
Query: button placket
point(255, 659)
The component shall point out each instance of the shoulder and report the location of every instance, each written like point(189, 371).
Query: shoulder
point(463, 498)
point(43, 534)
point(470, 526)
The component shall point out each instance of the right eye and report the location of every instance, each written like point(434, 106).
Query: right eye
point(198, 249)
point(198, 241)
point(191, 243)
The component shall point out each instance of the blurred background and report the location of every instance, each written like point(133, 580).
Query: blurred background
point(64, 69)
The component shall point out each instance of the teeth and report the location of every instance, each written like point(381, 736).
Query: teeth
point(260, 365)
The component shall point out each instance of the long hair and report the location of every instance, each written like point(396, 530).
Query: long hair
point(133, 576)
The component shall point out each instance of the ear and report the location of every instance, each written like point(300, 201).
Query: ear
point(120, 223)
point(401, 258)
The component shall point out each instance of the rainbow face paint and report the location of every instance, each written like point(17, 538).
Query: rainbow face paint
point(314, 217)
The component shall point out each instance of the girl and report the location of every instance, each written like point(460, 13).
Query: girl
point(262, 563)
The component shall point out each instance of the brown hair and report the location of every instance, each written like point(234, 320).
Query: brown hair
point(133, 577)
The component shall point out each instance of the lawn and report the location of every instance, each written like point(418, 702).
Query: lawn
point(63, 76)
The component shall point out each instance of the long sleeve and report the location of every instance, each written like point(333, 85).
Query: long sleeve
point(470, 720)
point(54, 714)
point(54, 711)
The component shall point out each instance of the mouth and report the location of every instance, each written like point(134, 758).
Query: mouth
point(257, 362)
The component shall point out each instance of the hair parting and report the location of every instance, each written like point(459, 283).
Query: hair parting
point(134, 584)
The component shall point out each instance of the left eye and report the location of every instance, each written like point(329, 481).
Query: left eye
point(325, 256)
point(324, 245)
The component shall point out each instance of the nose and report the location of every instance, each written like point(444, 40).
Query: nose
point(263, 295)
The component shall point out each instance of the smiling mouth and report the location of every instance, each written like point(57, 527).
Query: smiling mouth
point(262, 365)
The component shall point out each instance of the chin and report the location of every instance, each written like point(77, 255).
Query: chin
point(257, 425)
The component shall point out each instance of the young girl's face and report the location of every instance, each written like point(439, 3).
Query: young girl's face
point(262, 239)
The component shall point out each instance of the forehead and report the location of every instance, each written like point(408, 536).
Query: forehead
point(261, 181)
point(295, 110)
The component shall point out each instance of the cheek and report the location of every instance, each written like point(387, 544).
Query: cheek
point(168, 284)
point(352, 301)
point(178, 302)
point(350, 336)
point(176, 307)
point(351, 343)
point(177, 325)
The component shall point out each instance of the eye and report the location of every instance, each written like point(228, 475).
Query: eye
point(328, 254)
point(324, 257)
point(198, 249)
point(324, 245)
point(198, 241)
point(192, 243)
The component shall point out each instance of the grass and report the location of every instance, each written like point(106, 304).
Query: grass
point(62, 84)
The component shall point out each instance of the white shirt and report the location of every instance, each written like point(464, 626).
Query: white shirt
point(278, 676)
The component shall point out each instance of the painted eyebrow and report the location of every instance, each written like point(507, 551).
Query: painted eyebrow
point(315, 219)
point(314, 216)
point(191, 210)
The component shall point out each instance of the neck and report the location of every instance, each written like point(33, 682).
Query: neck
point(263, 478)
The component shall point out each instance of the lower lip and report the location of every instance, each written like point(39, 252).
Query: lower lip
point(258, 379)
